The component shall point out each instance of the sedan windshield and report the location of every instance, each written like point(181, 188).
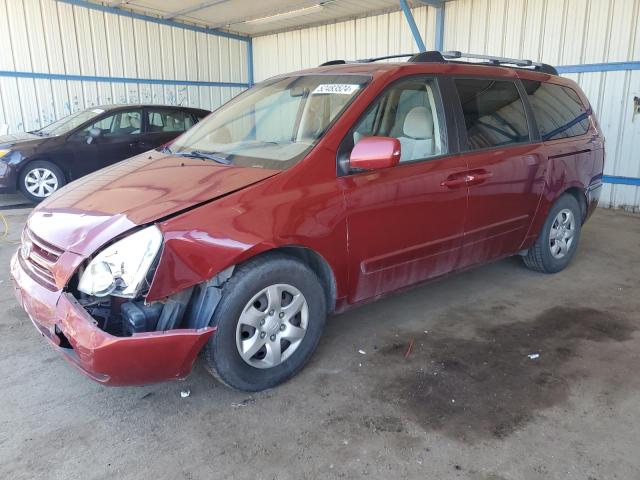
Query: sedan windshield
point(273, 125)
point(68, 123)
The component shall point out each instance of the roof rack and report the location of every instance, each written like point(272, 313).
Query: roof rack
point(435, 56)
point(543, 67)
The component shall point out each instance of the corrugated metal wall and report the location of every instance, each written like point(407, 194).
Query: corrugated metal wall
point(385, 34)
point(559, 32)
point(51, 37)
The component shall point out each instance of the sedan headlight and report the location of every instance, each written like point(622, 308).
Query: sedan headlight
point(4, 152)
point(121, 268)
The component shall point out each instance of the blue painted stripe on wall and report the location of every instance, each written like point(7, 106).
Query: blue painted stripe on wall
point(161, 21)
point(91, 78)
point(599, 67)
point(621, 180)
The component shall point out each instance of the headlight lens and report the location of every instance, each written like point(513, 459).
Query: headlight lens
point(4, 152)
point(121, 268)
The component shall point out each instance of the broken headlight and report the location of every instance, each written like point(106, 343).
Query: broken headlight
point(121, 268)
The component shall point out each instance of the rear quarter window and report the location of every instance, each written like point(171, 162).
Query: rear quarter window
point(558, 110)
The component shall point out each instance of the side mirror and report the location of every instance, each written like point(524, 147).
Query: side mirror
point(372, 153)
point(93, 134)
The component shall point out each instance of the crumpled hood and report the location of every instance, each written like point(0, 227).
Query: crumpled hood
point(91, 211)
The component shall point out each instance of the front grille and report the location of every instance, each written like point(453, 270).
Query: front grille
point(38, 257)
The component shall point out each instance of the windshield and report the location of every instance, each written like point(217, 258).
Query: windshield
point(70, 122)
point(272, 125)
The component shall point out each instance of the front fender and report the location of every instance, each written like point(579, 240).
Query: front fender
point(190, 258)
point(202, 242)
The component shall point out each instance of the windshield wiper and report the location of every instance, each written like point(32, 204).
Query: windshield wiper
point(205, 156)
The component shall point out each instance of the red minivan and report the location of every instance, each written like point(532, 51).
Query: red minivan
point(307, 194)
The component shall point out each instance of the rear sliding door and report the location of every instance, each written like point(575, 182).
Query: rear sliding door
point(506, 166)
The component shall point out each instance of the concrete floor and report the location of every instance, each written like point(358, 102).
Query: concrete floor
point(467, 403)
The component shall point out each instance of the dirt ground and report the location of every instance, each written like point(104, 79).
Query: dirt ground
point(445, 388)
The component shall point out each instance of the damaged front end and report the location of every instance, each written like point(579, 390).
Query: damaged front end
point(190, 309)
point(98, 317)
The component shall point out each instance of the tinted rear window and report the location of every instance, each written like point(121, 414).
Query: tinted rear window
point(493, 112)
point(557, 110)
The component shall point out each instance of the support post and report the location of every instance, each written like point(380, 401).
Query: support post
point(440, 27)
point(250, 61)
point(412, 25)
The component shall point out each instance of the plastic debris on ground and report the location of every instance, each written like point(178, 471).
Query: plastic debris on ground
point(185, 393)
point(408, 352)
point(533, 356)
point(243, 403)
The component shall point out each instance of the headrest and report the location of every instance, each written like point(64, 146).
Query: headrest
point(134, 121)
point(418, 123)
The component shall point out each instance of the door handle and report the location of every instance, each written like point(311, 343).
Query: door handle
point(472, 177)
point(456, 180)
point(477, 177)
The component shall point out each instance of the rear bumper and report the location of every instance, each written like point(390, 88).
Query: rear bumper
point(593, 197)
point(137, 360)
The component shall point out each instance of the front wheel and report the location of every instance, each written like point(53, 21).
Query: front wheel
point(558, 240)
point(40, 179)
point(269, 322)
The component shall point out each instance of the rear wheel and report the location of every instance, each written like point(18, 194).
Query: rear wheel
point(557, 244)
point(269, 321)
point(40, 179)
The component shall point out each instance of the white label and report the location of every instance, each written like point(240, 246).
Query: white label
point(337, 88)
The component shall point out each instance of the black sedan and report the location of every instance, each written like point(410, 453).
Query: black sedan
point(40, 162)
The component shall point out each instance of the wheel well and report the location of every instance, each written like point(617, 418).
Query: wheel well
point(581, 198)
point(320, 267)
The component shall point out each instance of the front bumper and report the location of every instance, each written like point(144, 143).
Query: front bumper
point(141, 359)
point(8, 180)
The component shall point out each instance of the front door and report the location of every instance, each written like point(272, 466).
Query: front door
point(121, 136)
point(405, 223)
point(505, 173)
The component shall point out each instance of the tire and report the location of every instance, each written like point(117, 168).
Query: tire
point(547, 255)
point(52, 180)
point(245, 297)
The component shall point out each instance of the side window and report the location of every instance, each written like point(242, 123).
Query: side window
point(558, 110)
point(119, 124)
point(409, 111)
point(168, 120)
point(493, 113)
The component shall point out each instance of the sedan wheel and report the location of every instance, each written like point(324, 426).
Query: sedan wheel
point(39, 179)
point(41, 182)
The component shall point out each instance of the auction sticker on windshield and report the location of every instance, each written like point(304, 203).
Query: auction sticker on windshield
point(339, 88)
